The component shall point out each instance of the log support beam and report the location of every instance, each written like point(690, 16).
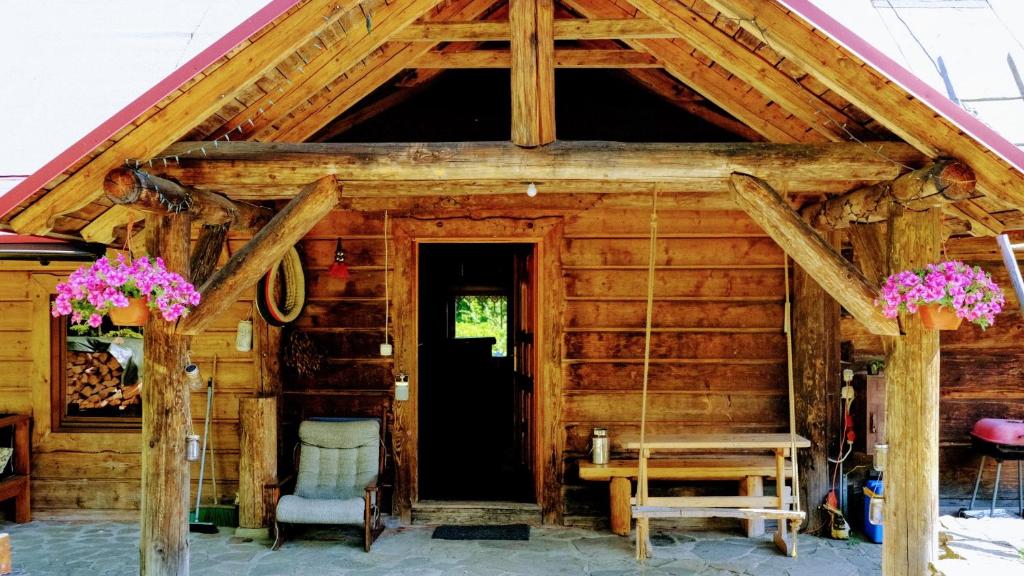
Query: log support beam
point(912, 412)
point(532, 47)
point(137, 189)
point(828, 268)
point(816, 371)
point(933, 186)
point(165, 479)
point(257, 467)
point(265, 249)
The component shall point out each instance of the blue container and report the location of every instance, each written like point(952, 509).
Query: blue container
point(873, 532)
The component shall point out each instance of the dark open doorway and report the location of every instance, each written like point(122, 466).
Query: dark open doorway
point(476, 359)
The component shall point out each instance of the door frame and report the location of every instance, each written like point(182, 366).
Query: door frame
point(545, 234)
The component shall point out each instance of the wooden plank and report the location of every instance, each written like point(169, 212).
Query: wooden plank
point(563, 58)
point(726, 52)
point(716, 501)
point(716, 442)
point(265, 249)
point(725, 467)
point(258, 163)
point(583, 345)
point(532, 48)
point(833, 272)
point(101, 229)
point(735, 252)
point(739, 284)
point(912, 411)
point(175, 119)
point(720, 378)
point(564, 29)
point(578, 435)
point(630, 314)
point(606, 407)
point(909, 118)
point(746, 513)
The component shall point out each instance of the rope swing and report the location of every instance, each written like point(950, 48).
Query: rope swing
point(643, 524)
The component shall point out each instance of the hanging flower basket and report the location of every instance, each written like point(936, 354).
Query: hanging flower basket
point(134, 314)
point(945, 293)
point(108, 288)
point(935, 317)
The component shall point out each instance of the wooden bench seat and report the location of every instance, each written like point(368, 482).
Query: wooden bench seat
point(749, 470)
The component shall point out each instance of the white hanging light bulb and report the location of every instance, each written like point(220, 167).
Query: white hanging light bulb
point(531, 190)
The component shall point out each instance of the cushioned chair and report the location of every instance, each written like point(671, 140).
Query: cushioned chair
point(338, 467)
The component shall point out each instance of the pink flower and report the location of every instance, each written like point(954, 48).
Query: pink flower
point(969, 291)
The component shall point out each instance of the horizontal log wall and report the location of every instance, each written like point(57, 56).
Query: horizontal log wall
point(718, 347)
point(981, 376)
point(102, 470)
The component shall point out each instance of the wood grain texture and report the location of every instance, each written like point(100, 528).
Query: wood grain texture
point(165, 396)
point(258, 461)
point(912, 413)
point(833, 272)
point(532, 47)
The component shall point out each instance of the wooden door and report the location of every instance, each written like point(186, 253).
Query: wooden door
point(524, 358)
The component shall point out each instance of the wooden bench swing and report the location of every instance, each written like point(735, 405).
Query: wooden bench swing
point(745, 507)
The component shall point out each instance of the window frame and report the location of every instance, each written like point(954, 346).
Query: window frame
point(60, 420)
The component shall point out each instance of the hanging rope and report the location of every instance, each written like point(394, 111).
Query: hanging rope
point(788, 329)
point(643, 524)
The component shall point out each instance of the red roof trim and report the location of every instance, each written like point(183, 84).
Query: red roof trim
point(8, 238)
point(908, 81)
point(140, 105)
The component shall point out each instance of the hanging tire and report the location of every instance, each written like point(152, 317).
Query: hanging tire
point(292, 292)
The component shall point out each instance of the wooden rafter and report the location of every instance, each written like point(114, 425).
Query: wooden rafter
point(266, 249)
point(363, 78)
point(909, 118)
point(564, 29)
point(727, 92)
point(563, 58)
point(362, 37)
point(101, 229)
point(725, 51)
point(828, 268)
point(251, 163)
point(177, 117)
point(532, 48)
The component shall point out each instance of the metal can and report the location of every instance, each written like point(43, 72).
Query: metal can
point(600, 447)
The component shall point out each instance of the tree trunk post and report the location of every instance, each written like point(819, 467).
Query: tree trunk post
point(163, 546)
point(257, 465)
point(912, 412)
point(816, 373)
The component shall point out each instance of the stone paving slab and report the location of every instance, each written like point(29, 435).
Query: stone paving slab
point(44, 548)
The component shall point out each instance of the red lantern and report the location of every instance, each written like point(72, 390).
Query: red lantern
point(339, 269)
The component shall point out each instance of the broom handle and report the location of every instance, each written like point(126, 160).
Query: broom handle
point(206, 434)
point(213, 454)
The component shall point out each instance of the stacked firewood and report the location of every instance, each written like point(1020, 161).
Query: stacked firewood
point(94, 381)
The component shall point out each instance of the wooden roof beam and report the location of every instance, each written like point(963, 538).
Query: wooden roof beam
point(563, 58)
point(729, 94)
point(754, 70)
point(828, 268)
point(174, 120)
point(909, 118)
point(266, 249)
point(101, 229)
point(361, 79)
point(532, 48)
point(564, 29)
point(141, 191)
point(933, 186)
point(253, 163)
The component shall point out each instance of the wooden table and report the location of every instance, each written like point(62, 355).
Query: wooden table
point(749, 507)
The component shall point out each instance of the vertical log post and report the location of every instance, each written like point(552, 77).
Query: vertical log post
point(163, 546)
point(257, 466)
point(912, 412)
point(533, 71)
point(816, 372)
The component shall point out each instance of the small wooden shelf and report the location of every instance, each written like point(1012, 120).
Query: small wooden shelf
point(17, 486)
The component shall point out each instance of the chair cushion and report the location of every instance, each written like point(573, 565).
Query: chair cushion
point(338, 459)
point(299, 510)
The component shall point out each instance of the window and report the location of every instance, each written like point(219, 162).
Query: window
point(96, 378)
point(482, 317)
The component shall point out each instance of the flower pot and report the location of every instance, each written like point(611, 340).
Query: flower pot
point(135, 314)
point(938, 317)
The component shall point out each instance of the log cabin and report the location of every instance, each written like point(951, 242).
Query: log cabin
point(426, 137)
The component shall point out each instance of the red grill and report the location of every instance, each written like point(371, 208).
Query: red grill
point(1001, 440)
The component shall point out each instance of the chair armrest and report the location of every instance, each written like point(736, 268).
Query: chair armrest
point(272, 491)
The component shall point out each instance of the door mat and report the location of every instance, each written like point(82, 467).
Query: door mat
point(478, 532)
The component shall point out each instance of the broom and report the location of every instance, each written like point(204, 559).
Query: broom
point(215, 513)
point(195, 523)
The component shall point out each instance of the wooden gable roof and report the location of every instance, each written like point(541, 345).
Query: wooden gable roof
point(289, 73)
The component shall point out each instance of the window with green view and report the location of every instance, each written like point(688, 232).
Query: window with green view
point(482, 317)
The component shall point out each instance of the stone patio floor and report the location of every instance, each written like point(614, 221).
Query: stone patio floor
point(111, 548)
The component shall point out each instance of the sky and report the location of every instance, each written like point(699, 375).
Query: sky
point(68, 65)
